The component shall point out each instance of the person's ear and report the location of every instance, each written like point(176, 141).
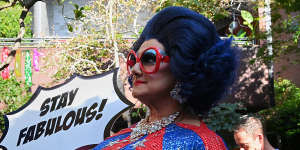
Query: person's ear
point(261, 138)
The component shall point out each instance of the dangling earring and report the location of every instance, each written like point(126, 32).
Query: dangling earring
point(174, 93)
point(130, 81)
point(147, 115)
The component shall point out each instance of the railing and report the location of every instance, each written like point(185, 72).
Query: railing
point(27, 42)
point(32, 42)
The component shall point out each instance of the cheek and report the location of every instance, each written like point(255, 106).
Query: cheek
point(163, 80)
point(258, 142)
point(165, 83)
point(149, 68)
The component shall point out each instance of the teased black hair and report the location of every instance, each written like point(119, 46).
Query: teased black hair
point(204, 64)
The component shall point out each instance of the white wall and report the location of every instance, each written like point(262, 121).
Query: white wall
point(57, 24)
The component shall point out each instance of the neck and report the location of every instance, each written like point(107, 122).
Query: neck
point(163, 108)
point(267, 145)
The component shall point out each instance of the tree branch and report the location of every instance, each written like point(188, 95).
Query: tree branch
point(11, 4)
point(28, 3)
point(22, 27)
point(17, 41)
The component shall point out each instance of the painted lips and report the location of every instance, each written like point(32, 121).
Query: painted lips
point(139, 82)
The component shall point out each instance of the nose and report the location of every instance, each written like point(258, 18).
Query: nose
point(136, 69)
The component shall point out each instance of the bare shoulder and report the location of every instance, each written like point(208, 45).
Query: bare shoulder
point(189, 119)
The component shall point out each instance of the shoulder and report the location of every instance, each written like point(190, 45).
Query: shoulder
point(209, 138)
point(121, 132)
point(115, 137)
point(178, 137)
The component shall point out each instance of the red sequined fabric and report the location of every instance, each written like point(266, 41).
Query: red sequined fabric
point(174, 136)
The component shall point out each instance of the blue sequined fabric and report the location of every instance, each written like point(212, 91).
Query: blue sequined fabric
point(173, 137)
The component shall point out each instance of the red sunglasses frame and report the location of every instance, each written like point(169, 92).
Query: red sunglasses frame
point(159, 58)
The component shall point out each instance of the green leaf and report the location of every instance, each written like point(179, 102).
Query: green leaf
point(14, 94)
point(9, 21)
point(241, 33)
point(252, 61)
point(60, 2)
point(76, 6)
point(87, 8)
point(70, 27)
point(250, 26)
point(246, 15)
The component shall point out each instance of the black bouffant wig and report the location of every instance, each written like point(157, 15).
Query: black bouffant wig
point(204, 64)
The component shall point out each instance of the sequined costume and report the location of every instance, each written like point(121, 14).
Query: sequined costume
point(173, 137)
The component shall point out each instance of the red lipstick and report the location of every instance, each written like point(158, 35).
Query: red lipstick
point(138, 82)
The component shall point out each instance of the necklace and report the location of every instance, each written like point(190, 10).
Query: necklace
point(143, 127)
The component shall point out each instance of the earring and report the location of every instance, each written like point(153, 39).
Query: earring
point(130, 80)
point(174, 93)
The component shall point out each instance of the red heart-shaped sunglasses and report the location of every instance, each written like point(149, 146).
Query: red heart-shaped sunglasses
point(149, 61)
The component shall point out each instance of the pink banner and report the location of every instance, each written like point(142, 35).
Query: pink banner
point(4, 56)
point(36, 56)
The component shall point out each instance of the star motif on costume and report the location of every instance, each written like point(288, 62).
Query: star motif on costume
point(115, 142)
point(112, 143)
point(139, 143)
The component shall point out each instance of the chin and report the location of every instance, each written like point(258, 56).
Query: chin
point(140, 95)
point(136, 94)
point(138, 91)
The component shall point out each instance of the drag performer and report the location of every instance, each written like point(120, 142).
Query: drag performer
point(179, 68)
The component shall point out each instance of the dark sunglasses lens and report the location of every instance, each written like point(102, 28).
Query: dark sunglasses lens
point(149, 57)
point(131, 60)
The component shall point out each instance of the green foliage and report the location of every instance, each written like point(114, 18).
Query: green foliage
point(288, 5)
point(284, 118)
point(99, 29)
point(296, 36)
point(139, 112)
point(70, 27)
point(247, 16)
point(224, 116)
point(285, 29)
point(291, 25)
point(14, 94)
point(84, 55)
point(60, 2)
point(9, 22)
point(78, 12)
point(285, 90)
point(212, 9)
point(248, 21)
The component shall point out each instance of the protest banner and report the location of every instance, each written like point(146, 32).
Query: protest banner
point(79, 112)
